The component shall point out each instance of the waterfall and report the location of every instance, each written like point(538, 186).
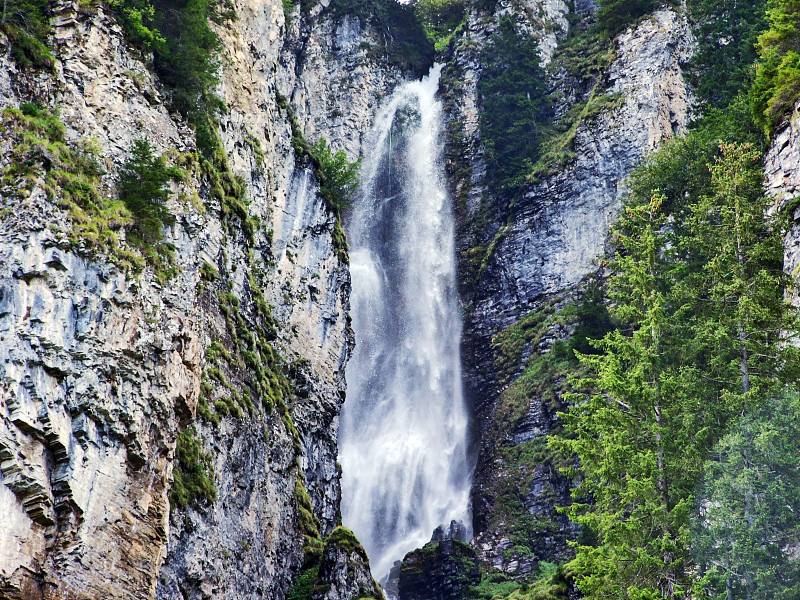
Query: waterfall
point(404, 424)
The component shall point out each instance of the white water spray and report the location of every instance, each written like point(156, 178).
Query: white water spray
point(404, 424)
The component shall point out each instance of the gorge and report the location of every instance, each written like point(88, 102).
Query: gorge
point(279, 279)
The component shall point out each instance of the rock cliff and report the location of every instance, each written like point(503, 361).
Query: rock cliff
point(531, 256)
point(782, 181)
point(113, 383)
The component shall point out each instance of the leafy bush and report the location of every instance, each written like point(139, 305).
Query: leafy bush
point(138, 17)
point(26, 24)
point(338, 177)
point(513, 92)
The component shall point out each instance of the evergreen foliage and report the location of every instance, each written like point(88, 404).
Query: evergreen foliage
point(142, 186)
point(777, 83)
point(698, 291)
point(593, 322)
point(736, 285)
point(513, 93)
point(750, 498)
point(404, 42)
point(635, 447)
point(614, 15)
point(727, 34)
point(27, 26)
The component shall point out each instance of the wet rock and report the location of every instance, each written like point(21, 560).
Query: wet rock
point(438, 571)
point(344, 569)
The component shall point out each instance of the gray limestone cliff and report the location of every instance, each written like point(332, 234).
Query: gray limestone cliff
point(532, 256)
point(101, 369)
point(782, 181)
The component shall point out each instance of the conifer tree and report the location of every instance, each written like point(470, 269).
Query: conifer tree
point(631, 434)
point(748, 518)
point(740, 310)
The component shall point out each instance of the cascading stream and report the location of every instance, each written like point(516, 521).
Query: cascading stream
point(404, 424)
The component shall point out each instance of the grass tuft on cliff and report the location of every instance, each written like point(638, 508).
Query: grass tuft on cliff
point(71, 175)
point(193, 474)
point(27, 27)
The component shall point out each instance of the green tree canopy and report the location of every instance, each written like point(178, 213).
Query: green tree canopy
point(749, 501)
point(513, 90)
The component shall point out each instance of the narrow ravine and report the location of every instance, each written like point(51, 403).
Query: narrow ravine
point(404, 426)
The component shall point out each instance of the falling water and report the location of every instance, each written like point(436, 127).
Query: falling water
point(404, 424)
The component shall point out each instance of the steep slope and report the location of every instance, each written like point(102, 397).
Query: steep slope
point(241, 351)
point(523, 259)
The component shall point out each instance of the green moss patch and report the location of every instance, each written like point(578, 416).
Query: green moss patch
point(193, 474)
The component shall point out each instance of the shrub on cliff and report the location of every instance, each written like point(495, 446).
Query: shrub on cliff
point(26, 24)
point(338, 177)
point(142, 186)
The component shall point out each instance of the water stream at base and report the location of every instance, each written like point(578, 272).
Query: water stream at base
point(404, 425)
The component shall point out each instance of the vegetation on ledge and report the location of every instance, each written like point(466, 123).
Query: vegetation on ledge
point(193, 474)
point(27, 26)
point(72, 177)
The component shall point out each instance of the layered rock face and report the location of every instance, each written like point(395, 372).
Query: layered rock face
point(540, 249)
point(782, 181)
point(443, 570)
point(100, 369)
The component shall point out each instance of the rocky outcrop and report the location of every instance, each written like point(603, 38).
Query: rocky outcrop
point(442, 570)
point(344, 569)
point(100, 369)
point(782, 181)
